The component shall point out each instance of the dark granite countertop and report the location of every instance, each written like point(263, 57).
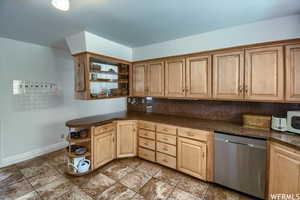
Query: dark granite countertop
point(290, 139)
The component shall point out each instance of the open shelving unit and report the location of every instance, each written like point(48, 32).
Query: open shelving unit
point(100, 77)
point(86, 142)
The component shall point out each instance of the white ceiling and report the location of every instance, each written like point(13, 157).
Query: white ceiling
point(132, 22)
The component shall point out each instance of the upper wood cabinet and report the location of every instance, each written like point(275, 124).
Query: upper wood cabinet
point(264, 73)
point(192, 157)
point(126, 138)
point(139, 80)
point(284, 172)
point(156, 79)
point(292, 63)
point(93, 72)
point(198, 77)
point(228, 75)
point(104, 148)
point(175, 78)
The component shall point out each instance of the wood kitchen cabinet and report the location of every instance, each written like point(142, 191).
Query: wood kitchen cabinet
point(139, 79)
point(198, 77)
point(284, 170)
point(228, 75)
point(104, 148)
point(191, 158)
point(100, 77)
point(292, 63)
point(156, 79)
point(264, 73)
point(175, 78)
point(126, 138)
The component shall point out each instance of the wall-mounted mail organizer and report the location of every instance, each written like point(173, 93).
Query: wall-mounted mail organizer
point(22, 87)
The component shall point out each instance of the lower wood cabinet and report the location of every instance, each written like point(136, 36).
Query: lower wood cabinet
point(284, 170)
point(126, 138)
point(191, 157)
point(104, 148)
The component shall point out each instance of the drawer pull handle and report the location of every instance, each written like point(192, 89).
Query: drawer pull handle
point(166, 149)
point(190, 134)
point(165, 129)
point(145, 155)
point(145, 143)
point(166, 139)
point(145, 134)
point(164, 160)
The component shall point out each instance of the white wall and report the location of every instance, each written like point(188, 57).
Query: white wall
point(263, 31)
point(85, 41)
point(26, 129)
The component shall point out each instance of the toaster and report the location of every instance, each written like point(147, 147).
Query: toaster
point(279, 122)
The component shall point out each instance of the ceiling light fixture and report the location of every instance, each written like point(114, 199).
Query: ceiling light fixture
point(63, 5)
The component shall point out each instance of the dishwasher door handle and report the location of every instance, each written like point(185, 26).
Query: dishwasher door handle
point(246, 144)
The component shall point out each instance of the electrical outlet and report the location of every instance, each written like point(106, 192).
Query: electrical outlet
point(62, 136)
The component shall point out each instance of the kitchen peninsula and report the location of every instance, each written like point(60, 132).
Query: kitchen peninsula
point(168, 140)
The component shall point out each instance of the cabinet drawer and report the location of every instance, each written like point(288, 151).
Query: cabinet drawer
point(166, 148)
point(170, 139)
point(166, 160)
point(162, 128)
point(147, 154)
point(193, 134)
point(147, 125)
point(149, 144)
point(104, 128)
point(147, 134)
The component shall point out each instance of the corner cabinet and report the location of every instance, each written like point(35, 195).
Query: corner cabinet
point(284, 170)
point(264, 73)
point(100, 77)
point(126, 138)
point(292, 63)
point(228, 75)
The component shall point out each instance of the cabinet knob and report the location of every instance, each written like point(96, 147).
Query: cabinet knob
point(240, 89)
point(246, 89)
point(190, 134)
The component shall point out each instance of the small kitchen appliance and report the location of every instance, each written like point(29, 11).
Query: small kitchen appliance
point(293, 121)
point(279, 122)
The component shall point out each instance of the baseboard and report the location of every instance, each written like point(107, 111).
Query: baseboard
point(31, 154)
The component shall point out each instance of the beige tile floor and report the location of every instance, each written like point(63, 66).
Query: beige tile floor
point(130, 178)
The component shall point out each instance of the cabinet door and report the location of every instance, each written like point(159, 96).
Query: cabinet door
point(139, 80)
point(156, 79)
point(192, 157)
point(292, 60)
point(264, 74)
point(198, 77)
point(228, 75)
point(104, 148)
point(126, 138)
point(284, 174)
point(175, 78)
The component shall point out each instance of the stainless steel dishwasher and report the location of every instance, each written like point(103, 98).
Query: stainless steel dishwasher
point(240, 163)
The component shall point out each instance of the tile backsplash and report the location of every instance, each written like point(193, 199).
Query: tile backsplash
point(213, 110)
